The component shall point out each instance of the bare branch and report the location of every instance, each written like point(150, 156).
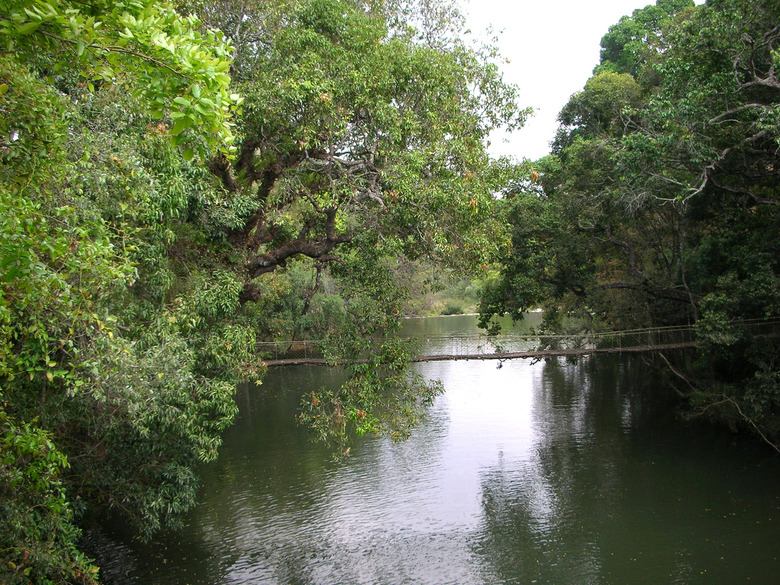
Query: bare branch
point(677, 373)
point(719, 119)
point(729, 400)
point(708, 172)
point(318, 249)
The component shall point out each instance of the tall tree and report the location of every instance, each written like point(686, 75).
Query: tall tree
point(663, 195)
point(635, 39)
point(150, 239)
point(362, 138)
point(348, 128)
point(87, 412)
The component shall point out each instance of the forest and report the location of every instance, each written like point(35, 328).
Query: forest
point(182, 181)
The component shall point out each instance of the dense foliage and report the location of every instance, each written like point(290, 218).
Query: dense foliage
point(155, 226)
point(362, 147)
point(659, 204)
point(92, 411)
point(181, 182)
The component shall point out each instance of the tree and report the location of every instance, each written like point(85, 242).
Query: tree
point(346, 129)
point(89, 411)
point(634, 40)
point(178, 69)
point(363, 138)
point(38, 537)
point(144, 254)
point(663, 190)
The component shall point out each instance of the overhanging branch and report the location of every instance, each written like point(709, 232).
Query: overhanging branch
point(315, 248)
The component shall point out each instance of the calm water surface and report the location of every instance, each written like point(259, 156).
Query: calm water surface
point(554, 473)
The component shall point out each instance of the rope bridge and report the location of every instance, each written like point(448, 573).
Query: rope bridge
point(525, 345)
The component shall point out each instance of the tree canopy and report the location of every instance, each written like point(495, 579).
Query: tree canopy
point(659, 203)
point(363, 140)
point(351, 127)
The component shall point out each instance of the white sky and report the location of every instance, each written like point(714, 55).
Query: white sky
point(552, 47)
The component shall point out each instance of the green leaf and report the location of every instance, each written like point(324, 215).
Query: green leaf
point(28, 28)
point(188, 154)
point(179, 126)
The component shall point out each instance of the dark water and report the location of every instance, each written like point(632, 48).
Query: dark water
point(550, 473)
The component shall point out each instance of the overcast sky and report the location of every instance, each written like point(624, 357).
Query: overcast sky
point(552, 47)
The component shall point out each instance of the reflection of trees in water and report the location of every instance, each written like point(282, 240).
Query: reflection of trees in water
point(595, 488)
point(526, 537)
point(561, 516)
point(171, 557)
point(618, 491)
point(257, 489)
point(266, 500)
point(247, 497)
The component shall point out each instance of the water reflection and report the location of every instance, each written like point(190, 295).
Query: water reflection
point(554, 472)
point(617, 492)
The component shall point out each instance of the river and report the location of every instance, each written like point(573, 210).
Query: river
point(556, 472)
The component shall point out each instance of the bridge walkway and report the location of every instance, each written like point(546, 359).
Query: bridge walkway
point(514, 346)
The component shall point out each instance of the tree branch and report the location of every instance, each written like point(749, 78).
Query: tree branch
point(746, 418)
point(117, 49)
point(718, 119)
point(709, 170)
point(319, 249)
point(653, 290)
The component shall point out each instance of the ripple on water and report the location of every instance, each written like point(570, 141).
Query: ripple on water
point(557, 473)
